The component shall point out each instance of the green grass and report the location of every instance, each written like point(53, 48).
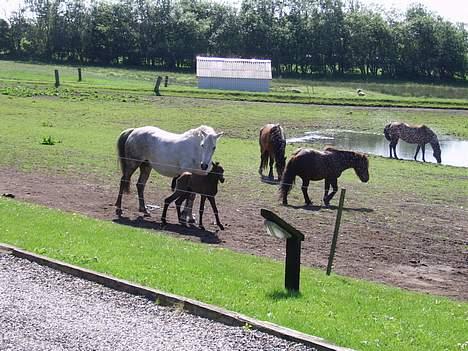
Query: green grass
point(283, 90)
point(84, 119)
point(348, 312)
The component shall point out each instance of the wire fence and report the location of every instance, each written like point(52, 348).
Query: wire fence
point(243, 177)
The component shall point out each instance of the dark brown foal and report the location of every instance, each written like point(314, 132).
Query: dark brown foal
point(188, 184)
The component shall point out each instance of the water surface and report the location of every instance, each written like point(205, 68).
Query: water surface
point(454, 151)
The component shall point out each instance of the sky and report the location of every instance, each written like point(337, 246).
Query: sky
point(452, 10)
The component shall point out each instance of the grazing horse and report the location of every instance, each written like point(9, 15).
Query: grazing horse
point(272, 146)
point(167, 153)
point(420, 135)
point(328, 164)
point(189, 183)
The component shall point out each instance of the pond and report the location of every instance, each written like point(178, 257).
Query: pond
point(454, 151)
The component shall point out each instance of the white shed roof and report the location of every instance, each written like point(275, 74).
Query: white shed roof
point(220, 67)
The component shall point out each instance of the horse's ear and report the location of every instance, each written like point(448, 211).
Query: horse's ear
point(203, 133)
point(219, 135)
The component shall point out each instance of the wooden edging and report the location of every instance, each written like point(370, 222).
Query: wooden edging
point(166, 299)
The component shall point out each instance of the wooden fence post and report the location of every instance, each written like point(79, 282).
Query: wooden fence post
point(57, 78)
point(156, 87)
point(335, 233)
point(79, 74)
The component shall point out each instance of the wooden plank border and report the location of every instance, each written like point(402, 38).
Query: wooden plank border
point(166, 299)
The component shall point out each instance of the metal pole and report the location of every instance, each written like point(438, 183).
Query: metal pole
point(293, 264)
point(335, 233)
point(57, 78)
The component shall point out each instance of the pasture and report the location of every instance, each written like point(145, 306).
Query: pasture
point(130, 84)
point(407, 227)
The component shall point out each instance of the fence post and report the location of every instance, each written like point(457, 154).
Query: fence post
point(57, 78)
point(156, 87)
point(165, 81)
point(335, 233)
point(79, 74)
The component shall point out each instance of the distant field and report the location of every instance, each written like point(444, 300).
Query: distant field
point(283, 90)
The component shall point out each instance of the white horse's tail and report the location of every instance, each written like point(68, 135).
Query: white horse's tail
point(122, 154)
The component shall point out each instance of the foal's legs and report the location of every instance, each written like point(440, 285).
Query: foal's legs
point(129, 167)
point(305, 185)
point(212, 201)
point(423, 149)
point(334, 183)
point(167, 202)
point(145, 170)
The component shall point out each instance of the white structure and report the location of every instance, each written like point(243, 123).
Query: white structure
point(233, 74)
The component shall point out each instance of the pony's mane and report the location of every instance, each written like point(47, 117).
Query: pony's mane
point(346, 152)
point(297, 151)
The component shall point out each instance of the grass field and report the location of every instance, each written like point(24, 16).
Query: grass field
point(83, 123)
point(351, 313)
point(137, 82)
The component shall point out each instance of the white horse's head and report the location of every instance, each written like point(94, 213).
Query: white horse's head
point(208, 147)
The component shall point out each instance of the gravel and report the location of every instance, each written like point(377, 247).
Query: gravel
point(43, 309)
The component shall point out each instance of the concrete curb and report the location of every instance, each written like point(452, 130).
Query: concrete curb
point(191, 306)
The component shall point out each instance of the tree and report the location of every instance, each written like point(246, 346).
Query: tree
point(4, 37)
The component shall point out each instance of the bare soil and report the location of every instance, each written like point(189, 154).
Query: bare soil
point(420, 247)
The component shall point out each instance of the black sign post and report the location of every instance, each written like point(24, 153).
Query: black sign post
point(278, 228)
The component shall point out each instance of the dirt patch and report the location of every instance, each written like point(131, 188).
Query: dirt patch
point(415, 246)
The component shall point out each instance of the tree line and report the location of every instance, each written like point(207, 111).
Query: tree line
point(301, 37)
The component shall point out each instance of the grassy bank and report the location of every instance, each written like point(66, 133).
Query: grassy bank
point(348, 312)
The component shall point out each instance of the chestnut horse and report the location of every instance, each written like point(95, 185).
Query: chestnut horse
point(328, 164)
point(272, 146)
point(420, 135)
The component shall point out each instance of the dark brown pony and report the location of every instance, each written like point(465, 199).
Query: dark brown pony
point(328, 164)
point(188, 184)
point(420, 135)
point(272, 146)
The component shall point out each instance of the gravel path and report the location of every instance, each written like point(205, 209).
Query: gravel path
point(43, 309)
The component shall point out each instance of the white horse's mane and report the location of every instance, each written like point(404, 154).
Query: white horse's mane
point(197, 131)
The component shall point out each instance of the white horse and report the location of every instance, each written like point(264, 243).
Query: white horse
point(167, 153)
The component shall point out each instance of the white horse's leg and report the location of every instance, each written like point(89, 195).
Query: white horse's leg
point(145, 170)
point(187, 213)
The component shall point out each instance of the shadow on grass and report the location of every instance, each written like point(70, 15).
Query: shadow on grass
point(205, 236)
point(283, 295)
point(333, 207)
point(268, 180)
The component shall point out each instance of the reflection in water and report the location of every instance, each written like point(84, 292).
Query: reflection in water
point(454, 152)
